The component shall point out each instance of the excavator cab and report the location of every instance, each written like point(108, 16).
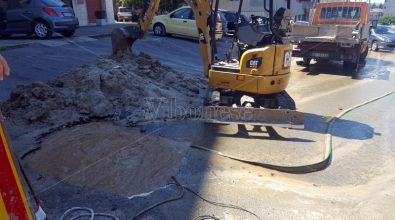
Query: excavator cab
point(248, 87)
point(254, 33)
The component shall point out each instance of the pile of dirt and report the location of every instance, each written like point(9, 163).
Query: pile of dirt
point(114, 87)
point(109, 158)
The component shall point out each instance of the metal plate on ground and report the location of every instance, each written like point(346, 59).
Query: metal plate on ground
point(253, 116)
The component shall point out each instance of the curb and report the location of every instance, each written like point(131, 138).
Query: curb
point(15, 46)
point(22, 45)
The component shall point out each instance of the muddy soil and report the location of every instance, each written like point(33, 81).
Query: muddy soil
point(109, 158)
point(127, 88)
point(78, 124)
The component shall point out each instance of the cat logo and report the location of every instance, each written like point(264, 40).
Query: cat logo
point(255, 62)
point(287, 59)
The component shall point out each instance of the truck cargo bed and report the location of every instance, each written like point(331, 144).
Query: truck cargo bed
point(323, 33)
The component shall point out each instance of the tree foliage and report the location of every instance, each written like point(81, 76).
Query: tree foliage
point(374, 5)
point(387, 20)
point(165, 5)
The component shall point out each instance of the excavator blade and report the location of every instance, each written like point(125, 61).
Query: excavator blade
point(253, 116)
point(123, 38)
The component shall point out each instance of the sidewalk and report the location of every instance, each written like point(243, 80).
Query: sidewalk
point(84, 31)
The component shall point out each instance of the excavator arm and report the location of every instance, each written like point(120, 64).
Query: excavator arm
point(263, 82)
point(123, 38)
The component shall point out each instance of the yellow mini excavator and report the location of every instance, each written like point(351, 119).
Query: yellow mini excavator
point(248, 86)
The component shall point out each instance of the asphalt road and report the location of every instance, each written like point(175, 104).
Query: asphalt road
point(359, 184)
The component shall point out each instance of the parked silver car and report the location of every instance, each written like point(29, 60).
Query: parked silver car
point(38, 17)
point(382, 37)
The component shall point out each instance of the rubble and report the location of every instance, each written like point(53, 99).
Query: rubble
point(67, 123)
point(115, 87)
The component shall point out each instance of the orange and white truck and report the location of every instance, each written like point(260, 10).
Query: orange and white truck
point(336, 31)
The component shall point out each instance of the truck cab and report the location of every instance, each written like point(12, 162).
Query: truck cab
point(336, 31)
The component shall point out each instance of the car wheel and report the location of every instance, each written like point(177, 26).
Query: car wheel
point(42, 30)
point(68, 33)
point(374, 46)
point(159, 30)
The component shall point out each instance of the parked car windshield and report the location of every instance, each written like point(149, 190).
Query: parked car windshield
point(340, 13)
point(54, 3)
point(232, 17)
point(384, 30)
point(182, 13)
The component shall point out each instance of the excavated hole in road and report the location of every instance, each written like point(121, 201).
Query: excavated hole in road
point(63, 115)
point(109, 158)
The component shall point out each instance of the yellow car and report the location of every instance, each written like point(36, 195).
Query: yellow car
point(180, 22)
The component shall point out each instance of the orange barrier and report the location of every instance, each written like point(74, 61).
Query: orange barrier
point(13, 201)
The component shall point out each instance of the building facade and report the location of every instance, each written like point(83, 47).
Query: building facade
point(300, 8)
point(389, 7)
point(85, 10)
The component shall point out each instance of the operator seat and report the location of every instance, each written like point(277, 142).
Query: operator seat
point(252, 34)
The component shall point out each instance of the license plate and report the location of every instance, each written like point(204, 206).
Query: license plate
point(323, 55)
point(67, 14)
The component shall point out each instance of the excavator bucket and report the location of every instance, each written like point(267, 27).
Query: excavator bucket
point(123, 38)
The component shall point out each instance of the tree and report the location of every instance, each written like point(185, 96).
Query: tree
point(165, 5)
point(137, 4)
point(387, 20)
point(381, 5)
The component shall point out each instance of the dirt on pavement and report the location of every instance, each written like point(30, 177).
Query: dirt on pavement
point(116, 87)
point(109, 158)
point(61, 117)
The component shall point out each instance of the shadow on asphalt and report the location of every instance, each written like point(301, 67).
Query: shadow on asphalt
point(195, 171)
point(313, 123)
point(343, 128)
point(271, 134)
point(372, 68)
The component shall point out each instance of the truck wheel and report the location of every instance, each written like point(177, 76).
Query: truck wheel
point(374, 46)
point(350, 65)
point(364, 54)
point(306, 61)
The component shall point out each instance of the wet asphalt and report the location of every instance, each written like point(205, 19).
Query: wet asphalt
point(358, 184)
